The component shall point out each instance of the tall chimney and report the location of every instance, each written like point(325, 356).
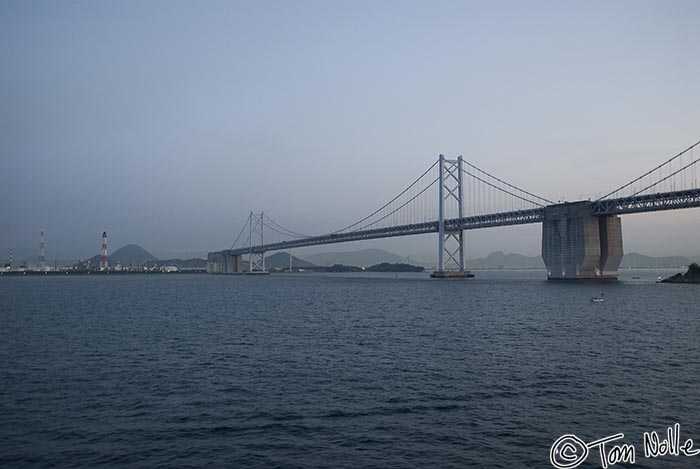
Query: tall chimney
point(103, 261)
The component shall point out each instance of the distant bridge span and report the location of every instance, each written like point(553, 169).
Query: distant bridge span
point(467, 223)
point(580, 240)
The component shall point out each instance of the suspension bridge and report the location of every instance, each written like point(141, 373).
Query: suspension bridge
point(580, 240)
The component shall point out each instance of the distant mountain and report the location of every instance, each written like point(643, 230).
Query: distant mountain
point(130, 254)
point(280, 260)
point(501, 260)
point(363, 258)
point(633, 259)
point(194, 263)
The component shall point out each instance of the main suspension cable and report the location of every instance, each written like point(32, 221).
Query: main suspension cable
point(290, 232)
point(239, 234)
point(388, 203)
point(650, 171)
point(398, 208)
point(508, 184)
point(501, 189)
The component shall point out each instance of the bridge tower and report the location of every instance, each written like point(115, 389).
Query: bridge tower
point(256, 260)
point(450, 239)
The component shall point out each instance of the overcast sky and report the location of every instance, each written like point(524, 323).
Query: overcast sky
point(164, 123)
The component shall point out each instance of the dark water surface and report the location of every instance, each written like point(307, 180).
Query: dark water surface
point(340, 371)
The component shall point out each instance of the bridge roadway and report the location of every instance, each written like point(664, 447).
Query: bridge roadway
point(519, 217)
point(618, 206)
point(648, 203)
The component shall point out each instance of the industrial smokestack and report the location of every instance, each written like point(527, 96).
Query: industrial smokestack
point(103, 261)
point(42, 253)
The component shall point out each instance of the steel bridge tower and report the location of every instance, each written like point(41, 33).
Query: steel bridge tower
point(256, 260)
point(450, 240)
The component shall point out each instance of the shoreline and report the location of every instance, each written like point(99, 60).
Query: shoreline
point(33, 273)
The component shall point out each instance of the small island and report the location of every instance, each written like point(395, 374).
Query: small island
point(387, 267)
point(383, 267)
point(691, 276)
point(341, 268)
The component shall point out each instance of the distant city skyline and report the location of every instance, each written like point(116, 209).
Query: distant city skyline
point(165, 123)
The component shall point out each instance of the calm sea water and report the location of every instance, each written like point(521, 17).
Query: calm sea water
point(340, 371)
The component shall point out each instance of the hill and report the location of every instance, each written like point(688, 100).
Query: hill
point(280, 260)
point(194, 263)
point(130, 254)
point(363, 258)
point(633, 259)
point(501, 260)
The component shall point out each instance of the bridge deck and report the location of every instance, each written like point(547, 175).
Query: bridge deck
point(619, 206)
point(519, 217)
point(648, 203)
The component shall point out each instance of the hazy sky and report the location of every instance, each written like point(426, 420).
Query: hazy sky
point(164, 123)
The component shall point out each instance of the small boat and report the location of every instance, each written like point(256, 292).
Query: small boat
point(599, 298)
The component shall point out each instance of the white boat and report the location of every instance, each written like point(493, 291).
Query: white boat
point(599, 298)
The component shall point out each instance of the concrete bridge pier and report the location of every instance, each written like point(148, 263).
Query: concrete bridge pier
point(577, 245)
point(223, 262)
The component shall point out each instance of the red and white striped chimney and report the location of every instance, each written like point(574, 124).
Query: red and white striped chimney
point(103, 261)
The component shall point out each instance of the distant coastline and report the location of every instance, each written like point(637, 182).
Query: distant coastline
point(73, 272)
point(135, 258)
point(381, 267)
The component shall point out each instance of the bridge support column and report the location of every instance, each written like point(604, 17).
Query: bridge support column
point(611, 251)
point(224, 263)
point(450, 239)
point(577, 245)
